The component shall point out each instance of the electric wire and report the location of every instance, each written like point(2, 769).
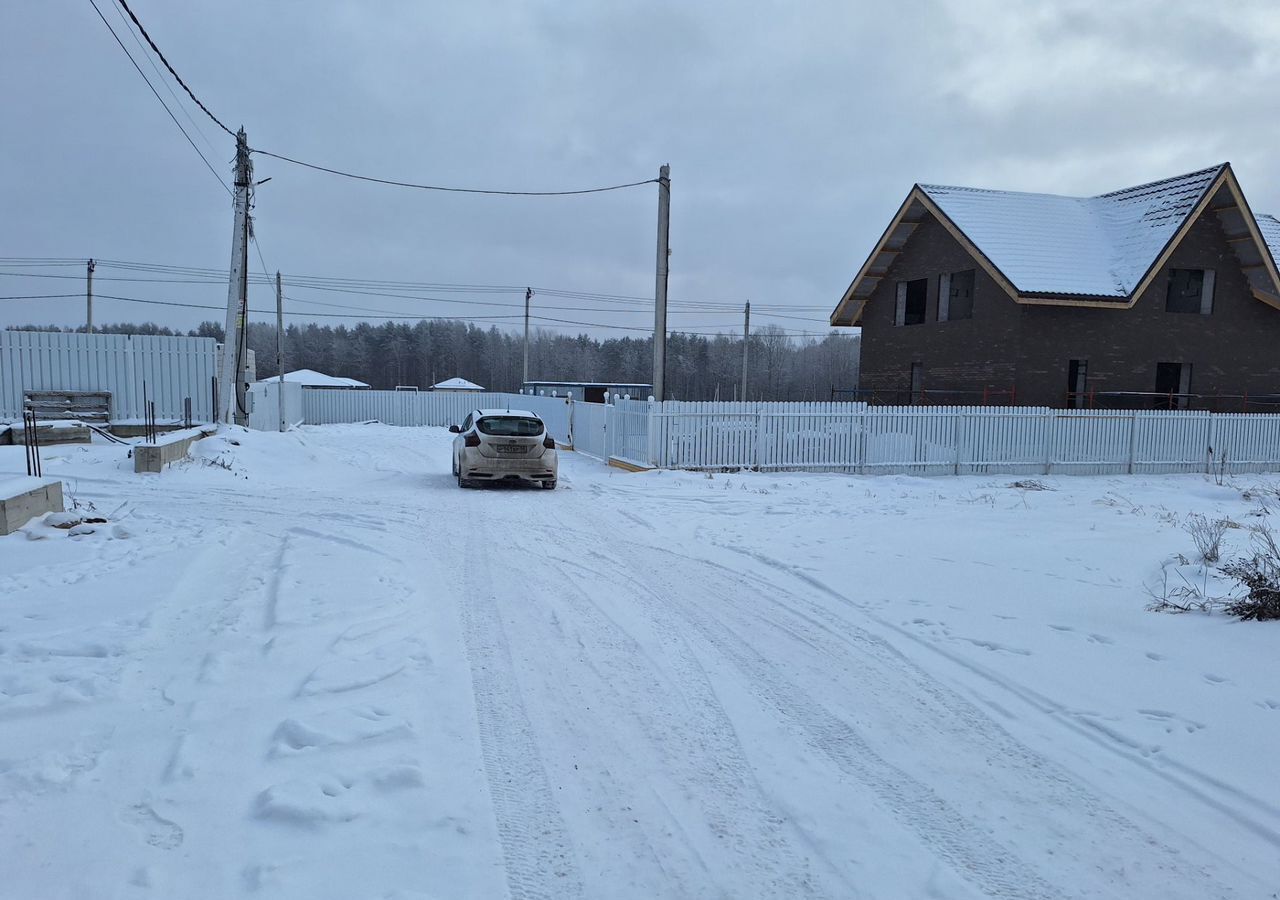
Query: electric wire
point(330, 170)
point(172, 71)
point(200, 153)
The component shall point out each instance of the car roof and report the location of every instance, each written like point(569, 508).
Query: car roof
point(507, 412)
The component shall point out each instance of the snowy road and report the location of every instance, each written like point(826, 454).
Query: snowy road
point(310, 666)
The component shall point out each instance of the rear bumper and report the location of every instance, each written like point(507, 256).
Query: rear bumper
point(484, 468)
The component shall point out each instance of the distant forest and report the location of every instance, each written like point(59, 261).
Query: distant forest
point(422, 354)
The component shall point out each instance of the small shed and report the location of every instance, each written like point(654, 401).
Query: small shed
point(311, 379)
point(589, 391)
point(457, 386)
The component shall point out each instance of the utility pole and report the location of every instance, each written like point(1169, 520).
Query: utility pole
point(746, 343)
point(280, 347)
point(660, 288)
point(229, 395)
point(88, 299)
point(528, 295)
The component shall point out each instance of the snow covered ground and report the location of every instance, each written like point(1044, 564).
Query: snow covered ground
point(309, 666)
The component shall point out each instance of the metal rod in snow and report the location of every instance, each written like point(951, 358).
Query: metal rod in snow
point(660, 286)
point(280, 347)
point(746, 343)
point(231, 335)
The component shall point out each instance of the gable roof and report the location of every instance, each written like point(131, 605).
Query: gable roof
point(1057, 250)
point(456, 384)
point(312, 378)
point(1093, 246)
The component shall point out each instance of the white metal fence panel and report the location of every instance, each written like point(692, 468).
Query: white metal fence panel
point(1169, 442)
point(329, 407)
point(630, 437)
point(1245, 442)
point(591, 429)
point(169, 369)
point(1088, 442)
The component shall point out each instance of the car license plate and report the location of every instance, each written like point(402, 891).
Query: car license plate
point(511, 449)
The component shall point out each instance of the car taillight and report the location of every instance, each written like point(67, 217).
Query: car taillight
point(471, 440)
point(549, 442)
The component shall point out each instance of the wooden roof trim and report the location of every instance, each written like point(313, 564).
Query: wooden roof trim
point(1172, 244)
point(838, 315)
point(955, 231)
point(1267, 297)
point(1251, 223)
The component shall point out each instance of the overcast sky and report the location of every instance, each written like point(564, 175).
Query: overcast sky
point(793, 130)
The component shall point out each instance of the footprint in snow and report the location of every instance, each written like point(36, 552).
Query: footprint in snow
point(156, 830)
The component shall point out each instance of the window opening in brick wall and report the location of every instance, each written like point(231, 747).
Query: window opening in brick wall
point(955, 300)
point(1173, 384)
point(1190, 291)
point(916, 300)
point(1077, 383)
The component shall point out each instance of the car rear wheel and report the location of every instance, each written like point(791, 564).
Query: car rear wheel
point(549, 485)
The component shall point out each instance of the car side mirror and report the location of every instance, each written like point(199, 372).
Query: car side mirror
point(454, 429)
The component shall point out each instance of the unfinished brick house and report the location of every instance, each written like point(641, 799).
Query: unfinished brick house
point(1161, 295)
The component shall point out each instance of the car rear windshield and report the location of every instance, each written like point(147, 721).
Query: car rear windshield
point(510, 426)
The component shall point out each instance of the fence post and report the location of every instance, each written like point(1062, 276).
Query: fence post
point(759, 439)
point(1212, 439)
point(1048, 441)
point(1133, 439)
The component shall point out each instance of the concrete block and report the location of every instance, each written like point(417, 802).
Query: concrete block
point(169, 449)
point(22, 499)
point(51, 433)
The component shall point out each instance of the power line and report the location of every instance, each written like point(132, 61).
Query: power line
point(41, 296)
point(172, 71)
point(453, 190)
point(160, 77)
point(328, 169)
point(158, 97)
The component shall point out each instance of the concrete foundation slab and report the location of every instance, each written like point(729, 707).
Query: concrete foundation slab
point(169, 449)
point(22, 499)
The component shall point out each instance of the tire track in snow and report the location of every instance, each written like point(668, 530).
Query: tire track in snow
point(538, 855)
point(696, 740)
point(1093, 731)
point(991, 867)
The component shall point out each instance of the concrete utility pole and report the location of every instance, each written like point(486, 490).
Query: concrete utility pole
point(229, 395)
point(528, 295)
point(660, 288)
point(280, 347)
point(746, 343)
point(88, 298)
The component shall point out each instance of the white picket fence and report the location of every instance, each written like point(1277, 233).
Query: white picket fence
point(854, 437)
point(169, 369)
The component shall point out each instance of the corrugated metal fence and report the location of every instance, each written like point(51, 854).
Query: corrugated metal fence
point(171, 369)
point(854, 437)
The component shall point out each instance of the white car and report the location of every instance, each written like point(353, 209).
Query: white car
point(503, 445)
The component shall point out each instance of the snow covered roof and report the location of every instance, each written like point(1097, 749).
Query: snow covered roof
point(1269, 225)
point(456, 384)
point(1096, 246)
point(1058, 250)
point(312, 378)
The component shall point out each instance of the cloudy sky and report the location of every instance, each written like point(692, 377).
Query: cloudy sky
point(793, 131)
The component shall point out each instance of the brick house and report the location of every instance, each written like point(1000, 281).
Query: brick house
point(1165, 294)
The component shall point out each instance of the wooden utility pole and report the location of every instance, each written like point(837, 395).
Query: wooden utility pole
point(528, 295)
point(280, 347)
point(746, 344)
point(229, 377)
point(88, 298)
point(660, 288)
